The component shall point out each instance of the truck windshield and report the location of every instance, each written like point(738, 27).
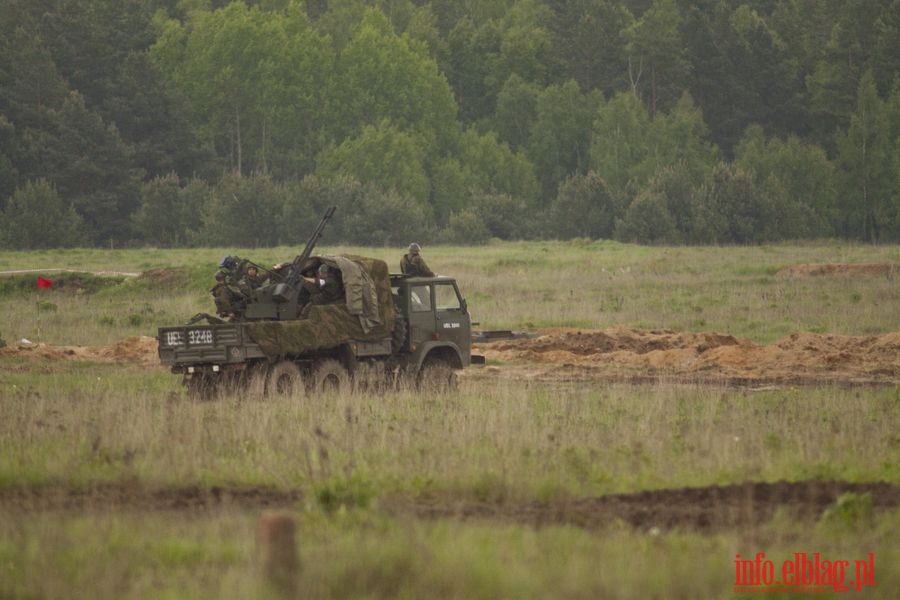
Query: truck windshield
point(445, 297)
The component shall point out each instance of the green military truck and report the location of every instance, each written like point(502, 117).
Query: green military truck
point(389, 329)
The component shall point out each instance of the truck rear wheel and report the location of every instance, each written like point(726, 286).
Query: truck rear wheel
point(369, 378)
point(284, 380)
point(330, 376)
point(437, 376)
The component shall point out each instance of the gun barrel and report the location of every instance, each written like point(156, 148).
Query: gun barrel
point(301, 258)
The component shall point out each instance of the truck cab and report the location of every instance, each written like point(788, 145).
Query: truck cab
point(439, 327)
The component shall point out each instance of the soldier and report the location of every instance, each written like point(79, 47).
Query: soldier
point(251, 280)
point(324, 288)
point(229, 300)
point(413, 265)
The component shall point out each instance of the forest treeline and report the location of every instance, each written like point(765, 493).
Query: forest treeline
point(204, 122)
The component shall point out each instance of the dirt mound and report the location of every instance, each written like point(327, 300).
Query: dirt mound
point(888, 269)
point(707, 508)
point(140, 350)
point(622, 353)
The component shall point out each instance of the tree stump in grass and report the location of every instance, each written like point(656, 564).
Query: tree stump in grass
point(277, 551)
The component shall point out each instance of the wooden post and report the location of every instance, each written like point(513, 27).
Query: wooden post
point(277, 551)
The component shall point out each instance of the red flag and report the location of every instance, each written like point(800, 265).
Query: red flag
point(44, 284)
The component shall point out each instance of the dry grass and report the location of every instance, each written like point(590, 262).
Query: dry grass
point(490, 442)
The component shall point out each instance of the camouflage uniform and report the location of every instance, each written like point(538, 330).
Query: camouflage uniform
point(327, 290)
point(250, 282)
point(323, 289)
point(413, 264)
point(229, 299)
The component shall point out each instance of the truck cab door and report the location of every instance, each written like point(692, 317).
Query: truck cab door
point(420, 307)
point(451, 318)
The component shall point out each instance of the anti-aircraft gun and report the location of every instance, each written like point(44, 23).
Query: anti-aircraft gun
point(282, 299)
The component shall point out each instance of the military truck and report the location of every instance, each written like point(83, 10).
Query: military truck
point(389, 330)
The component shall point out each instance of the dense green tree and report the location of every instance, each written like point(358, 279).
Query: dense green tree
point(865, 162)
point(385, 218)
point(657, 56)
point(516, 111)
point(465, 227)
point(561, 135)
point(584, 207)
point(382, 155)
point(832, 87)
point(496, 169)
point(244, 211)
point(680, 137)
point(36, 217)
point(588, 42)
point(796, 173)
point(674, 184)
point(385, 76)
point(9, 174)
point(256, 82)
point(503, 216)
point(89, 165)
point(647, 221)
point(729, 209)
point(473, 52)
point(305, 203)
point(525, 45)
point(620, 140)
point(170, 213)
point(452, 186)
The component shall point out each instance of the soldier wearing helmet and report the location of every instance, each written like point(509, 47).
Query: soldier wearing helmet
point(228, 298)
point(413, 265)
point(324, 288)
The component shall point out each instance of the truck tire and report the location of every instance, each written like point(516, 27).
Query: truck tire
point(330, 377)
point(437, 376)
point(369, 378)
point(284, 380)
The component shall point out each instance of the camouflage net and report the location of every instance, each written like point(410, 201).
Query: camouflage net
point(330, 325)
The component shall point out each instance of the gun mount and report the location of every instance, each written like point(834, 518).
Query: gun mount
point(282, 298)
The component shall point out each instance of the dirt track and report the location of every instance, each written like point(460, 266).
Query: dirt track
point(707, 508)
point(621, 354)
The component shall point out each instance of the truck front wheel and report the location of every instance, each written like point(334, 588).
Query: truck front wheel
point(437, 376)
point(285, 379)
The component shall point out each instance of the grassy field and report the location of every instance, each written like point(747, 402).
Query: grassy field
point(502, 447)
point(508, 285)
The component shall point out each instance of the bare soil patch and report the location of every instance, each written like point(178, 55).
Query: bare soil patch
point(123, 496)
point(629, 354)
point(139, 350)
point(705, 508)
point(813, 269)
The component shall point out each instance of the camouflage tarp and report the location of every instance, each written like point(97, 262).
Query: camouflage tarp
point(329, 325)
point(359, 289)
